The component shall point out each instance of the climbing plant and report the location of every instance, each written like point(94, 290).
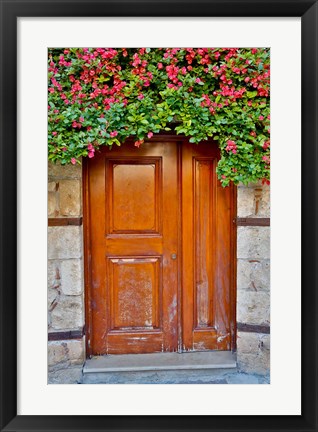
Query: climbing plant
point(102, 96)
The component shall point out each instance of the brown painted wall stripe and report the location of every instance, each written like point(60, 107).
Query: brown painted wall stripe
point(253, 221)
point(65, 221)
point(66, 335)
point(253, 328)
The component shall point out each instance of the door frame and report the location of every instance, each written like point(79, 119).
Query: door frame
point(87, 247)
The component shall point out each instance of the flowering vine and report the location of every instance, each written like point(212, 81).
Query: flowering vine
point(102, 96)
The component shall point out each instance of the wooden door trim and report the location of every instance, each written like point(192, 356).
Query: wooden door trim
point(87, 250)
point(87, 258)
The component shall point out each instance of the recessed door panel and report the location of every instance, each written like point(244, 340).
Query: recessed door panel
point(133, 195)
point(135, 288)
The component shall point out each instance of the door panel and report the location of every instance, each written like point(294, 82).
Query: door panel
point(140, 180)
point(159, 249)
point(207, 257)
point(133, 212)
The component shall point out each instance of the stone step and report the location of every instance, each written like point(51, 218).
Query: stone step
point(174, 368)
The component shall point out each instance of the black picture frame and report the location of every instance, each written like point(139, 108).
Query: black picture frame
point(10, 11)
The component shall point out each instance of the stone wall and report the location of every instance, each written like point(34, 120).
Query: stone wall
point(253, 281)
point(66, 281)
point(65, 274)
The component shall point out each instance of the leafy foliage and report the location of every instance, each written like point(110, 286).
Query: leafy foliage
point(102, 96)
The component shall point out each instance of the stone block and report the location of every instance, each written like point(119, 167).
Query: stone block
point(253, 275)
point(51, 187)
point(64, 242)
point(70, 375)
point(70, 352)
point(253, 201)
point(253, 352)
point(70, 197)
point(68, 313)
point(72, 277)
point(53, 274)
point(53, 280)
point(245, 202)
point(253, 307)
point(253, 242)
point(51, 204)
point(69, 171)
point(263, 208)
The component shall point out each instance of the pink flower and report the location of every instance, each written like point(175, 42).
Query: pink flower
point(73, 161)
point(141, 96)
point(160, 65)
point(266, 145)
point(113, 134)
point(231, 147)
point(247, 79)
point(90, 154)
point(81, 119)
point(138, 143)
point(90, 147)
point(54, 133)
point(150, 135)
point(266, 159)
point(223, 176)
point(261, 117)
point(197, 80)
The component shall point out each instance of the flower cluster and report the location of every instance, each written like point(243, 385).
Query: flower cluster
point(102, 96)
point(231, 147)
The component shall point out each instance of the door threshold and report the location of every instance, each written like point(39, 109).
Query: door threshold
point(161, 362)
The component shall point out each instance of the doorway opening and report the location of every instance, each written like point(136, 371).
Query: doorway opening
point(160, 248)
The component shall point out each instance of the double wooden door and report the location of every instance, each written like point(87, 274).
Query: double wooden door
point(159, 250)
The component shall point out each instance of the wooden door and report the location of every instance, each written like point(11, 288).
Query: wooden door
point(132, 218)
point(159, 249)
point(208, 252)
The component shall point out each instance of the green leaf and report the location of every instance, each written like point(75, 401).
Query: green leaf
point(251, 94)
